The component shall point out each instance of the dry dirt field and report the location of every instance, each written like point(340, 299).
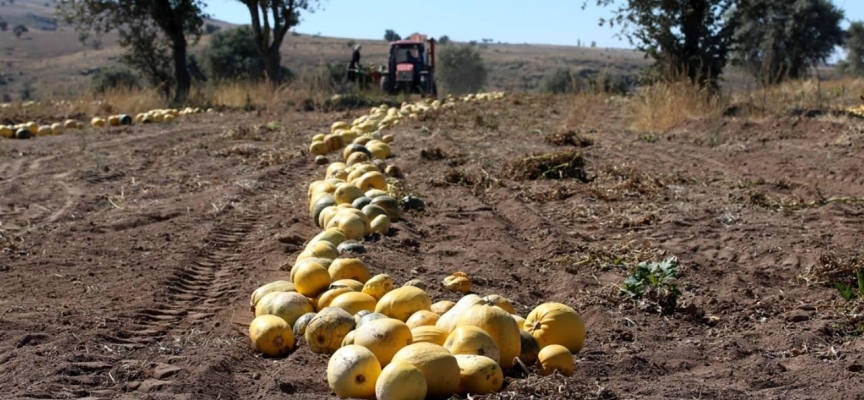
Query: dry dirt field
point(128, 255)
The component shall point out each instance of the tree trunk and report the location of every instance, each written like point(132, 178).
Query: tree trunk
point(273, 65)
point(181, 71)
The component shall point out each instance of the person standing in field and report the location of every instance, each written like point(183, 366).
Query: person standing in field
point(354, 65)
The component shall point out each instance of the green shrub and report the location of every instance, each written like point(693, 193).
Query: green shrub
point(461, 69)
point(114, 78)
point(232, 55)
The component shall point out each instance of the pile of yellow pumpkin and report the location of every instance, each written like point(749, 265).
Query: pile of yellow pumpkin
point(30, 129)
point(387, 341)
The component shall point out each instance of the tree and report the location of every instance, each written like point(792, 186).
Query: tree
point(461, 69)
point(391, 36)
point(19, 30)
point(153, 32)
point(854, 46)
point(777, 40)
point(233, 54)
point(444, 40)
point(284, 15)
point(688, 37)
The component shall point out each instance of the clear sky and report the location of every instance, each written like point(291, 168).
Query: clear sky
point(541, 22)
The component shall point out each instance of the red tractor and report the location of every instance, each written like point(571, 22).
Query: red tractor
point(411, 67)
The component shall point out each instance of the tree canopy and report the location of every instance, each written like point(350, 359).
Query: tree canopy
point(153, 32)
point(271, 21)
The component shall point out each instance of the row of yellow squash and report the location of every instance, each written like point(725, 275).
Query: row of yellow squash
point(31, 128)
point(366, 324)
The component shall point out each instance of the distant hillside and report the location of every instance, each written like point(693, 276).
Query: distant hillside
point(50, 59)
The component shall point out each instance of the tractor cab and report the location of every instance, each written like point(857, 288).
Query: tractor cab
point(411, 67)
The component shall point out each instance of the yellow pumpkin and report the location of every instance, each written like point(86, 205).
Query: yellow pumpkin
point(349, 268)
point(500, 326)
point(333, 167)
point(378, 286)
point(320, 187)
point(286, 305)
point(448, 319)
point(347, 193)
point(318, 148)
point(384, 337)
point(479, 374)
point(439, 367)
point(308, 260)
point(311, 279)
point(271, 335)
point(371, 180)
point(354, 285)
point(356, 158)
point(402, 302)
point(380, 224)
point(328, 329)
point(326, 215)
point(556, 323)
point(500, 302)
point(468, 339)
point(318, 137)
point(422, 318)
point(373, 193)
point(349, 338)
point(339, 125)
point(97, 122)
point(323, 301)
point(349, 223)
point(352, 372)
point(323, 249)
point(519, 321)
point(354, 302)
point(458, 282)
point(333, 236)
point(555, 357)
point(400, 381)
point(429, 334)
point(442, 307)
point(277, 286)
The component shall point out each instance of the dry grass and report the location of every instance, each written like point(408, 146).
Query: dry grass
point(661, 106)
point(803, 97)
point(561, 165)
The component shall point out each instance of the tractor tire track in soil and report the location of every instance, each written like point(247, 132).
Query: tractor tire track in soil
point(197, 290)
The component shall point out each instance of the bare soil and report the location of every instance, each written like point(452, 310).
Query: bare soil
point(128, 255)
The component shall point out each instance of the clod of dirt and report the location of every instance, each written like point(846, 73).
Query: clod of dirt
point(561, 165)
point(569, 138)
point(289, 238)
point(432, 154)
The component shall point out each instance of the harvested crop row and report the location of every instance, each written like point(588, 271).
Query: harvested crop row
point(31, 129)
point(385, 341)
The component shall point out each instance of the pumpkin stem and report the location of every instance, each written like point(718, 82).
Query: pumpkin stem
point(521, 364)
